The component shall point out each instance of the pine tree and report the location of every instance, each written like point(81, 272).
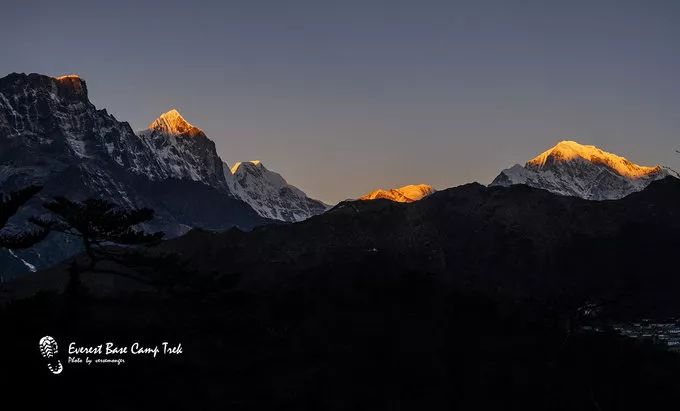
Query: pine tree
point(102, 227)
point(9, 206)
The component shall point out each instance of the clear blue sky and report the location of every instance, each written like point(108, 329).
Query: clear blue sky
point(342, 97)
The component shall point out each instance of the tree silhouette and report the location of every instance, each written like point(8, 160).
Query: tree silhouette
point(100, 226)
point(9, 205)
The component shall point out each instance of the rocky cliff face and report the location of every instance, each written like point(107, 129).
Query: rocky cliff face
point(52, 135)
point(585, 171)
point(48, 124)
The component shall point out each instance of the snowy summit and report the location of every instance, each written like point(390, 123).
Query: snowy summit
point(269, 194)
point(172, 123)
point(405, 194)
point(188, 153)
point(585, 171)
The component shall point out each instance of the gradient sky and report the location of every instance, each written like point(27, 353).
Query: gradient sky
point(342, 97)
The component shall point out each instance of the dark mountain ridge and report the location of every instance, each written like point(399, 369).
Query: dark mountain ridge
point(517, 240)
point(468, 299)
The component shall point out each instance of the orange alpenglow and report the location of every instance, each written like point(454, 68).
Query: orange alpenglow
point(405, 194)
point(585, 171)
point(569, 150)
point(68, 76)
point(72, 81)
point(172, 123)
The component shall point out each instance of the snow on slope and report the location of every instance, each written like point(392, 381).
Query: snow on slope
point(184, 150)
point(269, 194)
point(188, 153)
point(52, 135)
point(405, 194)
point(54, 117)
point(586, 171)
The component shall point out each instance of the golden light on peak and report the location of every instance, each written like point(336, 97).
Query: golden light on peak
point(405, 194)
point(172, 122)
point(68, 76)
point(568, 150)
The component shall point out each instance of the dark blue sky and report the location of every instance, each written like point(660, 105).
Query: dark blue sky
point(344, 96)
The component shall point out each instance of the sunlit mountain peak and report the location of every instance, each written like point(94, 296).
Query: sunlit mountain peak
point(585, 171)
point(172, 122)
point(568, 150)
point(68, 76)
point(72, 82)
point(405, 194)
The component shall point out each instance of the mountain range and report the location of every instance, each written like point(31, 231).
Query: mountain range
point(190, 154)
point(512, 289)
point(52, 135)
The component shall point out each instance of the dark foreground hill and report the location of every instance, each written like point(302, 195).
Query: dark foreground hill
point(470, 299)
point(518, 241)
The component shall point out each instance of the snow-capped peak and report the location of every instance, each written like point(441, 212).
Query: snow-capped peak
point(269, 194)
point(176, 146)
point(184, 150)
point(568, 150)
point(586, 171)
point(405, 194)
point(172, 123)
